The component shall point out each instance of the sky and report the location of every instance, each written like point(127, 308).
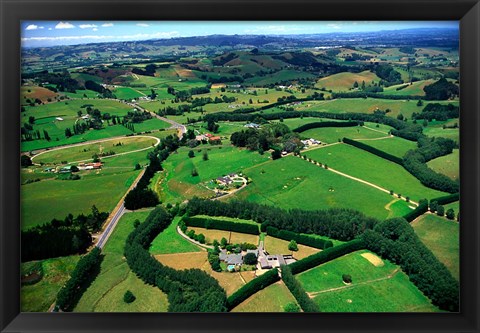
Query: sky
point(51, 33)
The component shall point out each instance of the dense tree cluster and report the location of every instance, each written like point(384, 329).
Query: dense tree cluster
point(395, 240)
point(326, 255)
point(92, 85)
point(441, 90)
point(148, 71)
point(388, 75)
point(299, 238)
point(82, 276)
point(252, 287)
point(421, 209)
point(306, 303)
point(320, 124)
point(366, 94)
point(190, 290)
point(208, 223)
point(137, 116)
point(62, 81)
point(436, 111)
point(338, 223)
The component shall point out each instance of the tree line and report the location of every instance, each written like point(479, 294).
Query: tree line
point(373, 150)
point(337, 223)
point(395, 240)
point(299, 238)
point(82, 276)
point(190, 290)
point(321, 124)
point(305, 302)
point(208, 223)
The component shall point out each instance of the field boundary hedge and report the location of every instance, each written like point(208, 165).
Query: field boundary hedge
point(421, 209)
point(327, 255)
point(375, 151)
point(320, 124)
point(305, 302)
point(299, 238)
point(252, 287)
point(446, 199)
point(203, 222)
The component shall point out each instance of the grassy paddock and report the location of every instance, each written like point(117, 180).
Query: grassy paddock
point(441, 236)
point(115, 278)
point(280, 246)
point(271, 299)
point(449, 165)
point(169, 241)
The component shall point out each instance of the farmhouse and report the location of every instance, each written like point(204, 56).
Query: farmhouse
point(90, 166)
point(224, 180)
point(214, 138)
point(311, 142)
point(252, 125)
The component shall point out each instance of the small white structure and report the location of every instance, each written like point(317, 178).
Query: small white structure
point(59, 119)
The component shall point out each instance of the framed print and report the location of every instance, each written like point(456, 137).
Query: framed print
point(239, 166)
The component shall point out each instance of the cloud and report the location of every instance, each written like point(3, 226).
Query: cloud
point(334, 26)
point(276, 29)
point(143, 24)
point(49, 28)
point(94, 29)
point(33, 27)
point(106, 25)
point(64, 25)
point(168, 34)
point(86, 26)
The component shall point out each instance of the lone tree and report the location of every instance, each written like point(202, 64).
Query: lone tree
point(250, 259)
point(205, 155)
point(440, 210)
point(292, 246)
point(128, 297)
point(347, 278)
point(191, 153)
point(194, 172)
point(223, 242)
point(450, 214)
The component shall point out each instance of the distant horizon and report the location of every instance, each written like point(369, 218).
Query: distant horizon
point(62, 33)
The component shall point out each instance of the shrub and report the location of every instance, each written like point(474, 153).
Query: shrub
point(346, 278)
point(250, 259)
point(128, 297)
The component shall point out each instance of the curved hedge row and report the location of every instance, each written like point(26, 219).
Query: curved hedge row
point(190, 290)
point(306, 303)
point(446, 199)
point(326, 255)
point(375, 151)
point(320, 124)
point(203, 222)
point(421, 209)
point(299, 238)
point(252, 287)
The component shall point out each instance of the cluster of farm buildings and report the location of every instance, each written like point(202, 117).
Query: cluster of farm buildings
point(81, 166)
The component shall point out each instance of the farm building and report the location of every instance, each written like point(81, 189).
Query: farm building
point(224, 180)
point(59, 118)
point(90, 166)
point(214, 138)
point(252, 125)
point(311, 142)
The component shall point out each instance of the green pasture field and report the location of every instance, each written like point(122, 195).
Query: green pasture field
point(232, 237)
point(279, 246)
point(283, 75)
point(336, 134)
point(436, 130)
point(395, 145)
point(373, 289)
point(289, 183)
point(368, 105)
point(449, 164)
point(179, 184)
point(271, 299)
point(454, 205)
point(86, 77)
point(82, 93)
point(163, 82)
point(86, 151)
point(127, 93)
point(369, 167)
point(104, 133)
point(42, 201)
point(441, 236)
point(399, 207)
point(150, 125)
point(397, 294)
point(343, 82)
point(414, 89)
point(169, 241)
point(41, 295)
point(329, 275)
point(115, 278)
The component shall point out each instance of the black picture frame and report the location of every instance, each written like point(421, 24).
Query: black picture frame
point(12, 12)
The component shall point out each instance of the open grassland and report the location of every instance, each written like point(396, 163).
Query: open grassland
point(115, 278)
point(169, 241)
point(436, 130)
point(454, 205)
point(398, 207)
point(179, 184)
point(283, 75)
point(40, 296)
point(271, 299)
point(344, 81)
point(368, 105)
point(414, 89)
point(127, 93)
point(86, 151)
point(441, 236)
point(162, 83)
point(42, 201)
point(279, 246)
point(394, 145)
point(449, 164)
point(336, 134)
point(397, 294)
point(151, 125)
point(230, 236)
point(364, 165)
point(294, 183)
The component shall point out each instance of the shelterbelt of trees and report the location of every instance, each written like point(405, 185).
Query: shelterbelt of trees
point(191, 290)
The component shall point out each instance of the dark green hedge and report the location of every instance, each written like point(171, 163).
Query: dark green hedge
point(252, 287)
point(326, 255)
point(306, 303)
point(299, 238)
point(421, 209)
point(447, 199)
point(375, 151)
point(84, 273)
point(327, 124)
point(203, 222)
